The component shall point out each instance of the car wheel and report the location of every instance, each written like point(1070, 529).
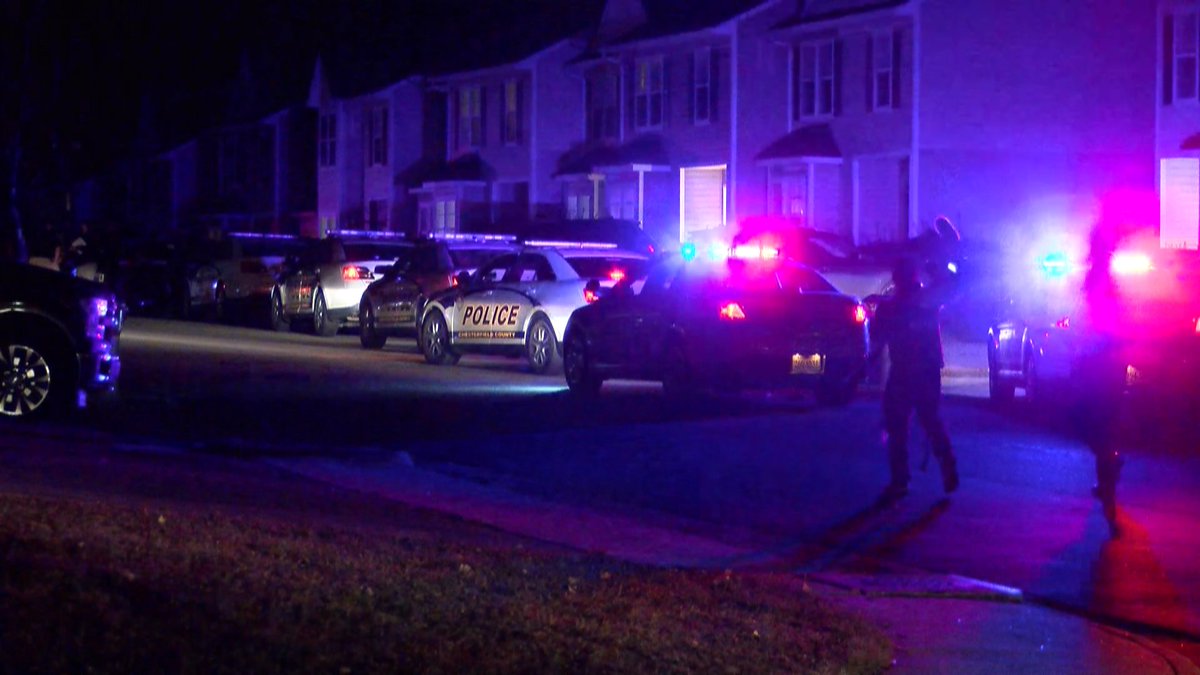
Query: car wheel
point(541, 347)
point(999, 390)
point(323, 325)
point(836, 394)
point(279, 321)
point(678, 381)
point(435, 340)
point(368, 333)
point(581, 379)
point(35, 376)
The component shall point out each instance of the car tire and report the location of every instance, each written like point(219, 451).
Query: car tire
point(322, 325)
point(541, 346)
point(279, 322)
point(999, 391)
point(836, 393)
point(435, 340)
point(37, 374)
point(577, 369)
point(368, 333)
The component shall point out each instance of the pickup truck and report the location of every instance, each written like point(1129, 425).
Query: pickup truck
point(59, 339)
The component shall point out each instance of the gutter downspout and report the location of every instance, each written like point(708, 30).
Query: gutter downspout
point(914, 161)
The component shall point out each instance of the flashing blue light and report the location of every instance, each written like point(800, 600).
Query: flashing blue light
point(688, 251)
point(1055, 265)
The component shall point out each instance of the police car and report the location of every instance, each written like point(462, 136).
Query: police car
point(1157, 326)
point(392, 304)
point(236, 271)
point(519, 303)
point(322, 286)
point(746, 319)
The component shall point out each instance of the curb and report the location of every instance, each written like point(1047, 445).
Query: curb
point(919, 585)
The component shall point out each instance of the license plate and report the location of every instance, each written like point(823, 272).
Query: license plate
point(808, 364)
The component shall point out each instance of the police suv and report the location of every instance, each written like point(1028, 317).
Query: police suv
point(1155, 326)
point(748, 319)
point(519, 303)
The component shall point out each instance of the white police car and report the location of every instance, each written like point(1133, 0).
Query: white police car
point(518, 304)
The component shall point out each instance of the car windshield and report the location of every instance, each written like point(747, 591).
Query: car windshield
point(472, 258)
point(375, 250)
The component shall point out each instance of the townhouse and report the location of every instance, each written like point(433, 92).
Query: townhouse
point(1177, 142)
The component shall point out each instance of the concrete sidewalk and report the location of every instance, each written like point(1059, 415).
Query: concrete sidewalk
point(939, 623)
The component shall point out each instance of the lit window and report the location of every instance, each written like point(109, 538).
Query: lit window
point(512, 112)
point(648, 94)
point(444, 217)
point(814, 91)
point(702, 89)
point(327, 140)
point(1185, 39)
point(470, 118)
point(882, 51)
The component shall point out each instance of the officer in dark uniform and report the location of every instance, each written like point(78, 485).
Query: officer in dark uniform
point(908, 325)
point(1099, 372)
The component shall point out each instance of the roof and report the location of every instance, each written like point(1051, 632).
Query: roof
point(829, 10)
point(814, 140)
point(405, 39)
point(676, 17)
point(641, 150)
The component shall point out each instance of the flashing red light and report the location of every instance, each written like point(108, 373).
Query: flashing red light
point(453, 282)
point(1063, 323)
point(590, 296)
point(355, 273)
point(754, 252)
point(860, 314)
point(617, 275)
point(732, 311)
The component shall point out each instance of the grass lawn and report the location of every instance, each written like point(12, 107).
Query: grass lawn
point(92, 584)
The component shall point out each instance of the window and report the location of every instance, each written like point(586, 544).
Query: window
point(702, 86)
point(377, 136)
point(327, 140)
point(814, 78)
point(1186, 44)
point(883, 72)
point(648, 94)
point(579, 207)
point(495, 271)
point(603, 105)
point(470, 118)
point(377, 214)
point(512, 112)
point(444, 217)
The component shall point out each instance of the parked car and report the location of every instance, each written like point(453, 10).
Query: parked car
point(519, 303)
point(750, 321)
point(323, 285)
point(392, 305)
point(59, 339)
point(235, 275)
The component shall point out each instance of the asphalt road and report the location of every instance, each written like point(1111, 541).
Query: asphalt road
point(773, 480)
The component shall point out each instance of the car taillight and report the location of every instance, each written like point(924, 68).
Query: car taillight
point(453, 282)
point(617, 275)
point(860, 314)
point(590, 296)
point(253, 267)
point(355, 273)
point(732, 311)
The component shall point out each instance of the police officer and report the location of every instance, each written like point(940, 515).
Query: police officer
point(1099, 371)
point(908, 325)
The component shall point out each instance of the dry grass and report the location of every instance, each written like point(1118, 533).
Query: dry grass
point(93, 586)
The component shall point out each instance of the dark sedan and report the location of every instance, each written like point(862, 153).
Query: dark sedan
point(748, 321)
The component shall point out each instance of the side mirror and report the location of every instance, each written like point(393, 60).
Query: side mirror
point(462, 279)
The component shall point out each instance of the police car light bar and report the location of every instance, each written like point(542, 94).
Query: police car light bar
point(459, 236)
point(260, 235)
point(545, 243)
point(754, 252)
point(366, 234)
